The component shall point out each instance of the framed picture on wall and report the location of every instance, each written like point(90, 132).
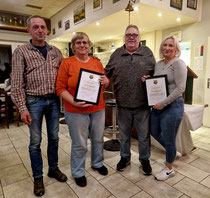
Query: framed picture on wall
point(176, 4)
point(59, 24)
point(192, 4)
point(79, 14)
point(115, 1)
point(67, 24)
point(97, 5)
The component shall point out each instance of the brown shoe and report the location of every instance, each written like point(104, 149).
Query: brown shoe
point(39, 187)
point(58, 175)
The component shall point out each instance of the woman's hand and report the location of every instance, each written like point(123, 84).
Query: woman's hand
point(104, 81)
point(158, 106)
point(143, 78)
point(81, 104)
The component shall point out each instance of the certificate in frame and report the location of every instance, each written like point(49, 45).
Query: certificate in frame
point(157, 89)
point(88, 87)
point(176, 4)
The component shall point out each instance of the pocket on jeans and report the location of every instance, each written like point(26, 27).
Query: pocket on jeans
point(31, 100)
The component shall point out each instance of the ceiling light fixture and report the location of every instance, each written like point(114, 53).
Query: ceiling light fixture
point(97, 23)
point(129, 9)
point(178, 19)
point(160, 14)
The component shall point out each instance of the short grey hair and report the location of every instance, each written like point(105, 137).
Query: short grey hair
point(176, 43)
point(28, 21)
point(132, 26)
point(79, 35)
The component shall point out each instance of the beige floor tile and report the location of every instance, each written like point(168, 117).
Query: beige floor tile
point(21, 189)
point(58, 189)
point(142, 194)
point(116, 182)
point(21, 143)
point(190, 171)
point(66, 147)
point(9, 160)
point(133, 173)
point(93, 189)
point(16, 135)
point(192, 189)
point(4, 141)
point(202, 154)
point(203, 146)
point(188, 158)
point(112, 161)
point(202, 164)
point(184, 196)
point(7, 149)
point(206, 182)
point(13, 174)
point(158, 189)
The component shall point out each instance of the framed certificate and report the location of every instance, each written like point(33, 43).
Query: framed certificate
point(88, 87)
point(157, 89)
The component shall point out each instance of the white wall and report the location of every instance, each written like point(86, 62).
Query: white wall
point(198, 33)
point(109, 8)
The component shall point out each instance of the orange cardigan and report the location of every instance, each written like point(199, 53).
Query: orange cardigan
point(67, 78)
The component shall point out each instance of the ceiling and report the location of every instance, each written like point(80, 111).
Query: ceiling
point(111, 27)
point(48, 7)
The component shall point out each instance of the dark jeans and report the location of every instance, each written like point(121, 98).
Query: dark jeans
point(50, 108)
point(164, 126)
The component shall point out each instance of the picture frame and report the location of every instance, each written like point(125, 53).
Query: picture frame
point(59, 24)
point(67, 24)
point(176, 4)
point(115, 1)
point(79, 14)
point(88, 87)
point(97, 5)
point(53, 31)
point(157, 89)
point(192, 4)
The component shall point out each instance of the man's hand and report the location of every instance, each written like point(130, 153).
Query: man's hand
point(26, 118)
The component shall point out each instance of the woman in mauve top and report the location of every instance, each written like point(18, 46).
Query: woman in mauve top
point(167, 114)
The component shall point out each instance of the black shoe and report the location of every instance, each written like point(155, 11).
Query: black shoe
point(103, 170)
point(81, 181)
point(122, 164)
point(147, 169)
point(58, 175)
point(39, 187)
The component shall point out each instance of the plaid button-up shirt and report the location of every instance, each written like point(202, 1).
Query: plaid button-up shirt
point(32, 74)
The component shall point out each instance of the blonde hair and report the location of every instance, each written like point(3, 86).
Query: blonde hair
point(79, 35)
point(176, 43)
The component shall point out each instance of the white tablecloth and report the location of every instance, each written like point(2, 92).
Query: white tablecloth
point(192, 120)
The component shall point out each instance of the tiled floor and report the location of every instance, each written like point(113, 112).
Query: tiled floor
point(192, 177)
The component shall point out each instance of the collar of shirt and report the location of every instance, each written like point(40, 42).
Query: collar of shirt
point(34, 48)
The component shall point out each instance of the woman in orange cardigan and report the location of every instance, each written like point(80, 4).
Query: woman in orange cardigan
point(82, 119)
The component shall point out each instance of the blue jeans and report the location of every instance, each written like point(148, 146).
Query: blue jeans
point(164, 126)
point(50, 108)
point(126, 118)
point(82, 125)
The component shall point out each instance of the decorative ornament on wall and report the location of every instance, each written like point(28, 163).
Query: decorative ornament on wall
point(192, 4)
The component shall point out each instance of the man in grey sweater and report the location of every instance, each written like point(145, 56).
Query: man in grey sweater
point(126, 67)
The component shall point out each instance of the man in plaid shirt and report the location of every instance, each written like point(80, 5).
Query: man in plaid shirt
point(34, 72)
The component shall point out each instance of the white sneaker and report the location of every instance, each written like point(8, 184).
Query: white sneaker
point(164, 174)
point(178, 154)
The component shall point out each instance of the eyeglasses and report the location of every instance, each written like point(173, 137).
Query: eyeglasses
point(81, 42)
point(132, 35)
point(36, 27)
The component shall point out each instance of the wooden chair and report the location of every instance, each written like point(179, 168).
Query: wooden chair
point(4, 105)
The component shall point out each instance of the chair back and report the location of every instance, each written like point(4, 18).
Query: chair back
point(4, 105)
